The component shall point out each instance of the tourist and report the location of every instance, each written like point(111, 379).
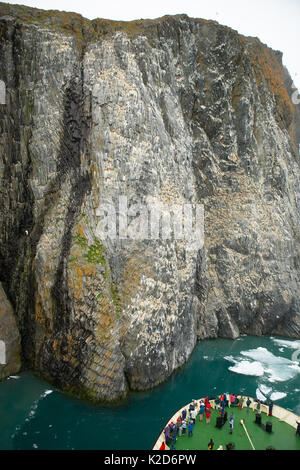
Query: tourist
point(258, 407)
point(217, 402)
point(167, 434)
point(241, 402)
point(174, 431)
point(163, 446)
point(178, 423)
point(231, 421)
point(184, 426)
point(222, 402)
point(206, 402)
point(222, 414)
point(190, 429)
point(211, 445)
point(170, 433)
point(207, 414)
point(201, 410)
point(227, 399)
point(183, 414)
point(232, 399)
point(248, 403)
point(270, 408)
point(298, 429)
point(193, 415)
point(180, 428)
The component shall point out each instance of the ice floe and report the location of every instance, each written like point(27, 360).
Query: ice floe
point(265, 389)
point(248, 368)
point(262, 363)
point(277, 396)
point(264, 392)
point(285, 343)
point(259, 395)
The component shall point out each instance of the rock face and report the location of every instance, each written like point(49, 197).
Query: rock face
point(10, 345)
point(179, 110)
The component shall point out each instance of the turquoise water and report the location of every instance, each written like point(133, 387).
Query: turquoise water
point(34, 415)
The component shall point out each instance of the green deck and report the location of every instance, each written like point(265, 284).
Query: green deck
point(283, 436)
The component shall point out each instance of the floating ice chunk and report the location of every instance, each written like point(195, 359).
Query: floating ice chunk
point(265, 389)
point(265, 356)
point(14, 377)
point(278, 368)
point(287, 343)
point(277, 396)
point(248, 368)
point(259, 395)
point(261, 362)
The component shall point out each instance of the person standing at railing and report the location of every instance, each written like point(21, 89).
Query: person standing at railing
point(248, 403)
point(201, 410)
point(270, 408)
point(258, 406)
point(232, 399)
point(190, 429)
point(208, 413)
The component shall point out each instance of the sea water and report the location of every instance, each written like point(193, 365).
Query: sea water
point(35, 415)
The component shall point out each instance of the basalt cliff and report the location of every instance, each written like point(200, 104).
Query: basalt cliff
point(182, 110)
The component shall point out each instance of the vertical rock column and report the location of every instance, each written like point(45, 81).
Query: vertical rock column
point(10, 344)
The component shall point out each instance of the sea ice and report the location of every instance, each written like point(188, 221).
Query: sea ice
point(287, 343)
point(261, 362)
point(259, 395)
point(265, 389)
point(248, 368)
point(277, 368)
point(277, 396)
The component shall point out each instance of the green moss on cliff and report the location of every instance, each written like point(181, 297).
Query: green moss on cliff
point(96, 253)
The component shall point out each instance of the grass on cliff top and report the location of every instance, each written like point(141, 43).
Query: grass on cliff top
point(75, 24)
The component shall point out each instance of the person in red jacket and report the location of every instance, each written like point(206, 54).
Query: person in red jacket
point(208, 413)
point(163, 446)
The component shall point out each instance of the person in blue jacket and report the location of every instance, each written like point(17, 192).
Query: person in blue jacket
point(190, 429)
point(270, 408)
point(201, 410)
